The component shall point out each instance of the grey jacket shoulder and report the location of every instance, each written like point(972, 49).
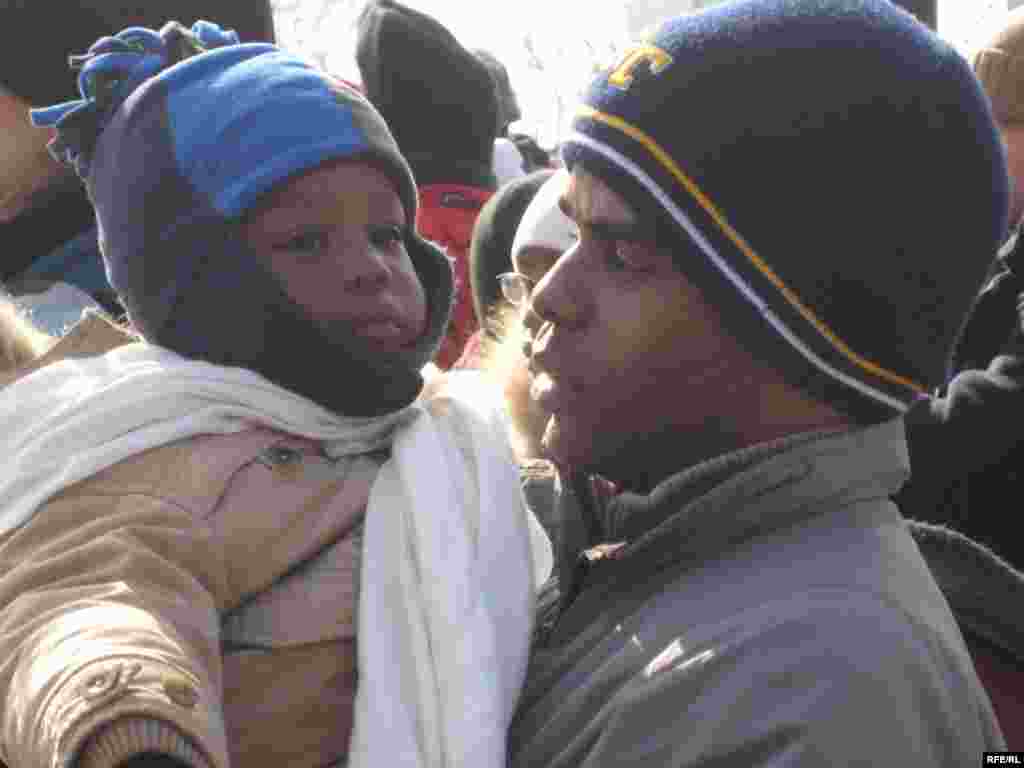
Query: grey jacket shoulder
point(795, 605)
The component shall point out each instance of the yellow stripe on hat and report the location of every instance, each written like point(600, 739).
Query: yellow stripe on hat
point(677, 173)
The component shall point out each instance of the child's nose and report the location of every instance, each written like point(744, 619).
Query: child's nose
point(366, 271)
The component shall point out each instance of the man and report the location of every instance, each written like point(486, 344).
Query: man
point(753, 304)
point(50, 260)
point(998, 65)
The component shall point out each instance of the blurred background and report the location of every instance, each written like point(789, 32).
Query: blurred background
point(551, 47)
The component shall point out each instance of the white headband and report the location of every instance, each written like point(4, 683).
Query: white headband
point(543, 223)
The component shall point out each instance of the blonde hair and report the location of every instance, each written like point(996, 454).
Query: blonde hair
point(21, 341)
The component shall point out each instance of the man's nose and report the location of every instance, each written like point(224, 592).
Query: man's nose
point(558, 297)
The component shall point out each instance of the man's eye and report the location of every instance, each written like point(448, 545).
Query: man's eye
point(387, 236)
point(617, 256)
point(626, 256)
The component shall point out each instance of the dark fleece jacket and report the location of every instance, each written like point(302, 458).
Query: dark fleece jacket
point(437, 97)
point(967, 445)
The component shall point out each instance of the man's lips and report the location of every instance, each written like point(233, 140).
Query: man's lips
point(550, 388)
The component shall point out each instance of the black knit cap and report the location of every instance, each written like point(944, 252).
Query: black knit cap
point(437, 97)
point(508, 104)
point(37, 36)
point(830, 171)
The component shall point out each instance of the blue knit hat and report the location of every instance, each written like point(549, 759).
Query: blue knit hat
point(831, 176)
point(178, 133)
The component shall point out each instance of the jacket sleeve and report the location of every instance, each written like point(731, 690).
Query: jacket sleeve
point(832, 684)
point(981, 409)
point(109, 635)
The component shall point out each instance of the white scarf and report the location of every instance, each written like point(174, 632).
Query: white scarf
point(451, 555)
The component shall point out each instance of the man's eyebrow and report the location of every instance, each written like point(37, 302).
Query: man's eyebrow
point(610, 229)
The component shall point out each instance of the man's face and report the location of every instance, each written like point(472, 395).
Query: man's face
point(335, 237)
point(624, 346)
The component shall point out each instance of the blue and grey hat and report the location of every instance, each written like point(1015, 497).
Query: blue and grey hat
point(177, 134)
point(831, 176)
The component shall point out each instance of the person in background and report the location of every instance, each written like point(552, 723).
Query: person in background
point(197, 513)
point(515, 155)
point(981, 402)
point(508, 103)
point(965, 439)
point(490, 256)
point(535, 157)
point(50, 264)
point(440, 102)
point(751, 590)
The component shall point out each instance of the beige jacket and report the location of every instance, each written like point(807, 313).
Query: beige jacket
point(198, 599)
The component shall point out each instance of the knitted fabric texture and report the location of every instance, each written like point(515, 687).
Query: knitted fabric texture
point(508, 104)
point(823, 166)
point(999, 64)
point(438, 98)
point(177, 134)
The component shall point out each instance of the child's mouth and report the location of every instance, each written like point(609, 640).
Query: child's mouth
point(386, 332)
point(381, 330)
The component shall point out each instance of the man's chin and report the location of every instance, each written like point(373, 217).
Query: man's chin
point(562, 446)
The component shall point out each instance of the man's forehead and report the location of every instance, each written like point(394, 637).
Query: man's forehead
point(587, 198)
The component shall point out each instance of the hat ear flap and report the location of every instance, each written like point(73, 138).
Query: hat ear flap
point(437, 276)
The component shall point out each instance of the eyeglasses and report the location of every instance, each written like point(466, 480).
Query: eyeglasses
point(515, 287)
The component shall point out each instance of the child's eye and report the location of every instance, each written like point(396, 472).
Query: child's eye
point(387, 236)
point(305, 243)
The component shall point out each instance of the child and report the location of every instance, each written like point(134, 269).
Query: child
point(182, 518)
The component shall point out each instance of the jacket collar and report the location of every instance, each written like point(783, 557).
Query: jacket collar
point(714, 506)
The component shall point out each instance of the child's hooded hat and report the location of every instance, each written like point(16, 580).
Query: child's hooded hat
point(177, 135)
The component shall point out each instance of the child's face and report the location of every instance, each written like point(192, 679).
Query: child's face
point(336, 239)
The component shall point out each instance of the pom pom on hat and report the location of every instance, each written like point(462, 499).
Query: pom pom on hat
point(37, 36)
